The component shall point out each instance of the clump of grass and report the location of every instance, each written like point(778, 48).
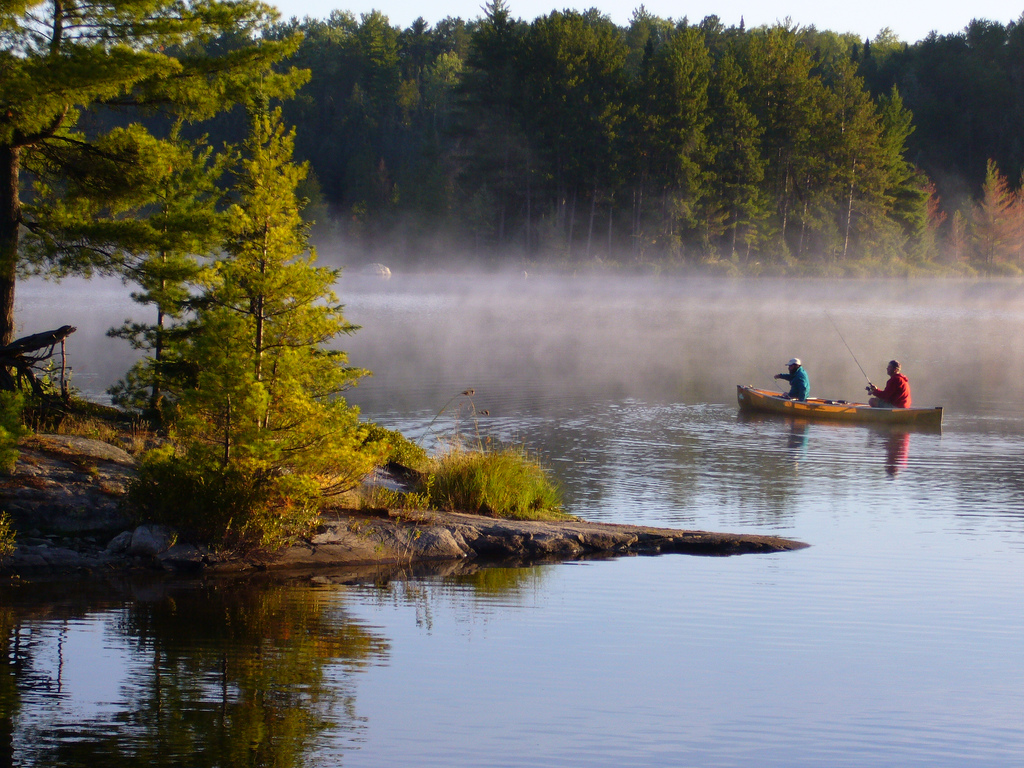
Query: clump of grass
point(500, 482)
point(138, 438)
point(379, 497)
point(81, 418)
point(87, 426)
point(497, 481)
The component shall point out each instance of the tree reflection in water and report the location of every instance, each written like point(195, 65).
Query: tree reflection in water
point(222, 674)
point(8, 684)
point(470, 590)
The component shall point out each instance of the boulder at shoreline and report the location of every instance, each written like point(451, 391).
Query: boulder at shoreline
point(67, 485)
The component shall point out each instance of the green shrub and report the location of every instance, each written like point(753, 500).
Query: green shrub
point(6, 535)
point(400, 449)
point(241, 507)
point(11, 428)
point(502, 482)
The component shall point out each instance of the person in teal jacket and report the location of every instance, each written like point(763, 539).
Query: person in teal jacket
point(799, 384)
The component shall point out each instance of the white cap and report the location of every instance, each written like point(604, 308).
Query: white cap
point(794, 361)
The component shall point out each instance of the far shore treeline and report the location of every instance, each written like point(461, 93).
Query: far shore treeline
point(572, 140)
point(567, 140)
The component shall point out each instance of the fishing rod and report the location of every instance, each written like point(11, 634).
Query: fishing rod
point(763, 372)
point(848, 348)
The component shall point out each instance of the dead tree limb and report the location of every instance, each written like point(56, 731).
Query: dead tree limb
point(26, 357)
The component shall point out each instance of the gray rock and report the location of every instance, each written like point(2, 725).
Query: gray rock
point(439, 543)
point(329, 535)
point(120, 543)
point(79, 447)
point(25, 560)
point(67, 485)
point(184, 557)
point(151, 540)
point(62, 559)
point(545, 543)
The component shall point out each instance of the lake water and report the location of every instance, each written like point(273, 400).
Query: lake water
point(895, 639)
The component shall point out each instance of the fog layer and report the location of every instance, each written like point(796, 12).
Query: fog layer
point(537, 342)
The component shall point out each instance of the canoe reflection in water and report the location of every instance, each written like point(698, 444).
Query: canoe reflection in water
point(897, 445)
point(892, 443)
point(897, 450)
point(798, 435)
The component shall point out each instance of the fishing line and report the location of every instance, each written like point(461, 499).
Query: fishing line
point(847, 347)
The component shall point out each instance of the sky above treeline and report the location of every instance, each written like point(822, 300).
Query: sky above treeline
point(911, 21)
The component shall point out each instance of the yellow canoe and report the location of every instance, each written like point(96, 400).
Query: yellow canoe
point(765, 401)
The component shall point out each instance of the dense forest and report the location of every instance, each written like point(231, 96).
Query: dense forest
point(570, 139)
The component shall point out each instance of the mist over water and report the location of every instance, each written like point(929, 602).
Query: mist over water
point(550, 340)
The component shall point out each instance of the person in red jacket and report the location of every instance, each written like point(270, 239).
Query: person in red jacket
point(897, 389)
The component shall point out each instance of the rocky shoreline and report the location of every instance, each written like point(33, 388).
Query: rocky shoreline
point(65, 496)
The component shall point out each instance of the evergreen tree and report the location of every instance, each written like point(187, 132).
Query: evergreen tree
point(787, 98)
point(497, 168)
point(574, 85)
point(646, 32)
point(926, 248)
point(854, 180)
point(263, 419)
point(162, 260)
point(958, 238)
point(269, 389)
point(737, 165)
point(674, 116)
point(322, 106)
point(1017, 214)
point(59, 59)
point(913, 198)
point(995, 225)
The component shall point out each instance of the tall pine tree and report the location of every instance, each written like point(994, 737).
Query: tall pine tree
point(59, 59)
point(995, 225)
point(163, 260)
point(269, 388)
point(263, 416)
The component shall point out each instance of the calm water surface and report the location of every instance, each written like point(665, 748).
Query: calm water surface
point(894, 640)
